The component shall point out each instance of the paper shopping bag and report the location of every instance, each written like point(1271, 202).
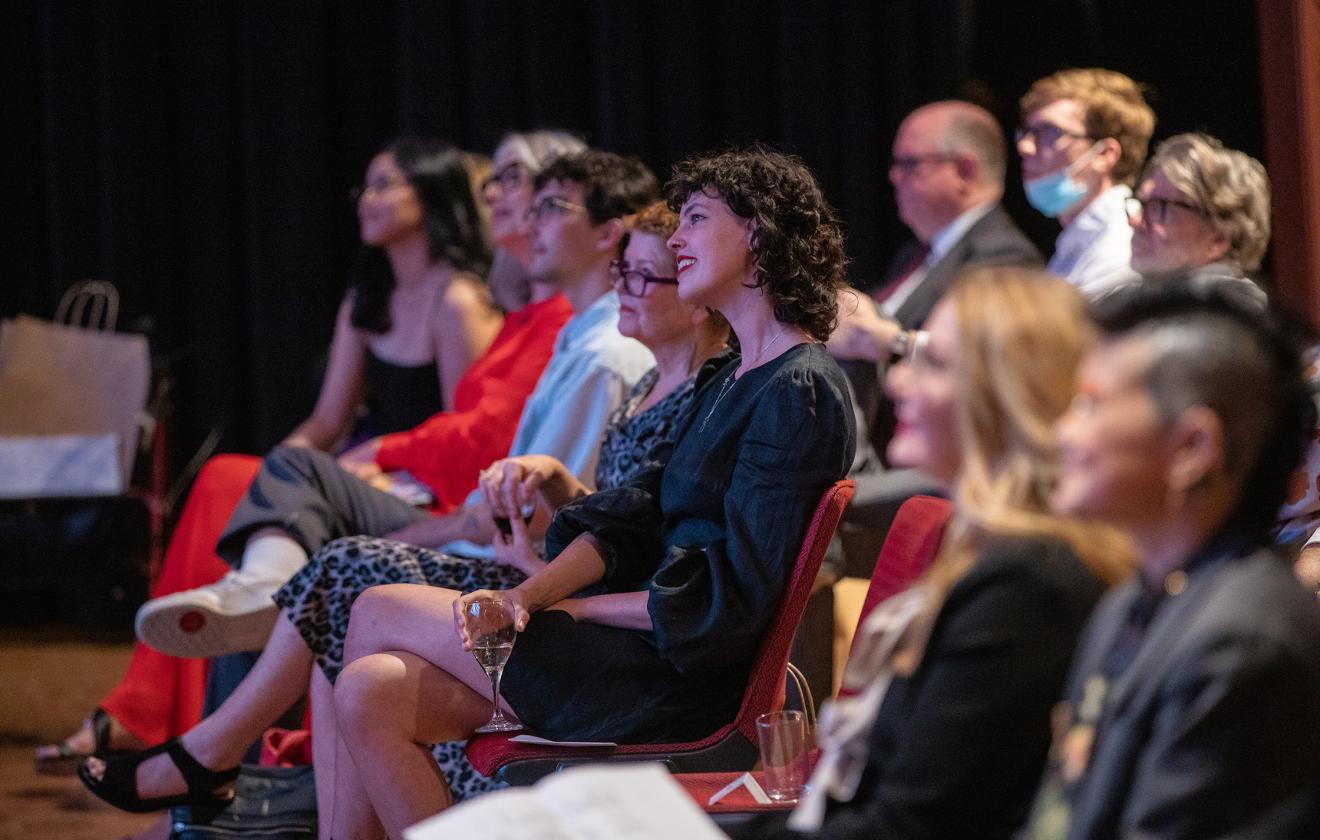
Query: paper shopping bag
point(58, 380)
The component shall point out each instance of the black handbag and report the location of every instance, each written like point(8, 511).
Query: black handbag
point(270, 803)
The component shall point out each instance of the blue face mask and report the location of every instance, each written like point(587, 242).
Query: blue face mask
point(1058, 192)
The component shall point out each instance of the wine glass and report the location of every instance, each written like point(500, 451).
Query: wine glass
point(489, 624)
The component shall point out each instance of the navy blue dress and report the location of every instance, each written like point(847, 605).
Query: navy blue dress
point(710, 529)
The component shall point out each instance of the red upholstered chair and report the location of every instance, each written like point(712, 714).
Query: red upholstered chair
point(910, 546)
point(731, 747)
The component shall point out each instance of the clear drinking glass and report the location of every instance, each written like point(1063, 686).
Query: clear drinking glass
point(489, 623)
point(783, 738)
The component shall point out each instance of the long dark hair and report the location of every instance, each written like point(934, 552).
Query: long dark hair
point(438, 173)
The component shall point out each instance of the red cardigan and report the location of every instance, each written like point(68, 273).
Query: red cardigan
point(448, 450)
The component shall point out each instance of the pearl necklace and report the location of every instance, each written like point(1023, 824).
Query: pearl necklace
point(729, 381)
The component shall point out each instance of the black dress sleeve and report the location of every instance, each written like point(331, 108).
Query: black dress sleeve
point(710, 603)
point(626, 522)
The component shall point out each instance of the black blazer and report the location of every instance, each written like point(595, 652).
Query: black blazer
point(958, 747)
point(1213, 730)
point(994, 240)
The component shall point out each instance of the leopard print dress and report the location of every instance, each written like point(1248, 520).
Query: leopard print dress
point(318, 599)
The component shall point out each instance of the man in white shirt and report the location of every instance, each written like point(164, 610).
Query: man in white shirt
point(1083, 140)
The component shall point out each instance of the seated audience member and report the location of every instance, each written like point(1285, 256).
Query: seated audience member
point(693, 555)
point(414, 318)
point(1082, 141)
point(945, 734)
point(1193, 707)
point(162, 693)
point(948, 177)
point(1200, 208)
point(301, 500)
point(1204, 210)
point(650, 311)
point(317, 599)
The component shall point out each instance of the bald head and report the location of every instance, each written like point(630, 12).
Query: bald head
point(962, 128)
point(948, 157)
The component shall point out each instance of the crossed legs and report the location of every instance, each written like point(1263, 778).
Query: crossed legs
point(407, 683)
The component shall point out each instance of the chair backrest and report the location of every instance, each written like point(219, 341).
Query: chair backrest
point(765, 686)
point(910, 546)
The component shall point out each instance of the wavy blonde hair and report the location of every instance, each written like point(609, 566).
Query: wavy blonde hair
point(1023, 333)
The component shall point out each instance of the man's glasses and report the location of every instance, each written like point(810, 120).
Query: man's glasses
point(552, 205)
point(1157, 209)
point(508, 177)
point(376, 187)
point(1047, 135)
point(635, 282)
point(905, 165)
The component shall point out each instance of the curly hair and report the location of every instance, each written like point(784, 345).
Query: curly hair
point(797, 242)
point(656, 219)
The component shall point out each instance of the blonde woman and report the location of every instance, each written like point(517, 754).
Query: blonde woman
point(948, 732)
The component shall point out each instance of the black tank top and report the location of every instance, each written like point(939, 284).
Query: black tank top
point(399, 397)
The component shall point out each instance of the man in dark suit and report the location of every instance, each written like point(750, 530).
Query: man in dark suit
point(1193, 709)
point(948, 177)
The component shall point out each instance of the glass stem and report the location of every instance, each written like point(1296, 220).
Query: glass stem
point(495, 676)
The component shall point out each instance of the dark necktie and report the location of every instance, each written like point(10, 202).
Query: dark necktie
point(913, 263)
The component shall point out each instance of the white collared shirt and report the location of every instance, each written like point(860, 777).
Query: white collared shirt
point(1094, 253)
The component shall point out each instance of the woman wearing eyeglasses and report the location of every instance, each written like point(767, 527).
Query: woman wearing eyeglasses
point(945, 733)
point(690, 558)
point(1200, 207)
point(161, 695)
point(682, 337)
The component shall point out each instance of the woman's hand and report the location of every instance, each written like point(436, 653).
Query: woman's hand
point(521, 614)
point(510, 486)
point(361, 460)
point(516, 549)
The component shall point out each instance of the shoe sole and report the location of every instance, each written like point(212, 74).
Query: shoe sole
point(192, 631)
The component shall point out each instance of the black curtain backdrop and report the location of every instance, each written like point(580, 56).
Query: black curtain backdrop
point(198, 154)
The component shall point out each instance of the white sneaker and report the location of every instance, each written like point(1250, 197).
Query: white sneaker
point(232, 615)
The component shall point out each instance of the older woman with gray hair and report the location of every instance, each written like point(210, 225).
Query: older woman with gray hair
point(1200, 207)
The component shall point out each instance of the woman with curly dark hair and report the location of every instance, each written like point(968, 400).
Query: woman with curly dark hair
point(645, 624)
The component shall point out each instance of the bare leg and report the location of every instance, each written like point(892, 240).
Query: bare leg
point(275, 683)
point(332, 762)
point(408, 683)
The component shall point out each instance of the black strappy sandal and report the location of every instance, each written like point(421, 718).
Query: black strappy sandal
point(118, 784)
point(62, 760)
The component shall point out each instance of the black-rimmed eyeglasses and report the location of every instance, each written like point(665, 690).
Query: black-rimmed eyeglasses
point(1157, 209)
point(633, 281)
point(1047, 135)
point(904, 165)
